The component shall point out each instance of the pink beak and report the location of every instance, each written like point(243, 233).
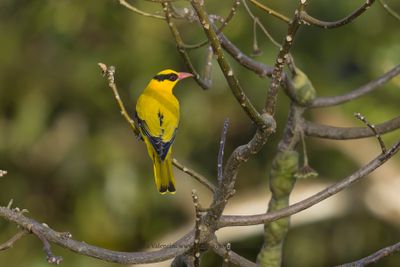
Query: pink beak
point(184, 75)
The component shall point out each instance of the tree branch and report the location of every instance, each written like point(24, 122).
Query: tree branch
point(270, 11)
point(220, 160)
point(374, 257)
point(365, 89)
point(341, 133)
point(138, 11)
point(63, 240)
point(315, 199)
point(389, 9)
point(334, 24)
point(10, 242)
point(373, 129)
point(200, 178)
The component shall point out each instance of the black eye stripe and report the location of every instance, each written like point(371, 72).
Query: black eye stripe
point(169, 76)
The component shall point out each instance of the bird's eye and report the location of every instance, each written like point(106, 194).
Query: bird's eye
point(173, 77)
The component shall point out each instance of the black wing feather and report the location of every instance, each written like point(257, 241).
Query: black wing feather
point(158, 144)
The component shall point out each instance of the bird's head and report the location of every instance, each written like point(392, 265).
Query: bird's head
point(167, 79)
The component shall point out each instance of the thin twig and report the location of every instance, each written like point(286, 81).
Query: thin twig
point(138, 11)
point(258, 67)
point(109, 73)
point(374, 257)
point(257, 22)
point(373, 129)
point(307, 19)
point(270, 11)
point(51, 258)
point(10, 242)
point(389, 9)
point(341, 133)
point(200, 178)
point(221, 149)
point(363, 90)
point(313, 200)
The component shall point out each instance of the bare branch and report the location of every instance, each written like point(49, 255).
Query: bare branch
point(138, 11)
point(109, 72)
point(374, 257)
point(389, 9)
point(315, 199)
point(221, 150)
point(270, 11)
point(365, 89)
point(257, 22)
point(51, 258)
point(373, 129)
point(10, 242)
point(63, 240)
point(334, 24)
point(341, 133)
point(200, 178)
point(246, 61)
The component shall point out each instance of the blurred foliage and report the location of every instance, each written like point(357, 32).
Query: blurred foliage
point(75, 164)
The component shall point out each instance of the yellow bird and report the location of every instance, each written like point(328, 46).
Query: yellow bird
point(157, 115)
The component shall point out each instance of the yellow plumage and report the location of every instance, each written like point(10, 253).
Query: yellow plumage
point(157, 114)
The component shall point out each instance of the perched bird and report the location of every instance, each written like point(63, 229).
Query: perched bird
point(157, 115)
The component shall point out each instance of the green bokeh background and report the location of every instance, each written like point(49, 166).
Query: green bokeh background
point(74, 163)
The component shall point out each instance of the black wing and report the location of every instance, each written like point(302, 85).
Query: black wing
point(158, 144)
